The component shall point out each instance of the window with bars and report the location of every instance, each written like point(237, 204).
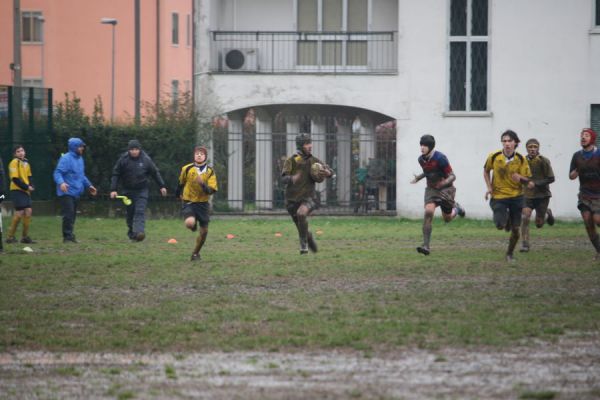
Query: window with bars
point(330, 16)
point(597, 19)
point(468, 55)
point(595, 120)
point(175, 93)
point(31, 25)
point(174, 28)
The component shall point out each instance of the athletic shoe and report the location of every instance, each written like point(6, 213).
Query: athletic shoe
point(549, 217)
point(303, 247)
point(195, 257)
point(27, 239)
point(510, 258)
point(312, 245)
point(70, 240)
point(460, 211)
point(11, 239)
point(524, 247)
point(423, 250)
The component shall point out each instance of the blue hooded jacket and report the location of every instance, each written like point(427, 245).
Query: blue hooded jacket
point(71, 170)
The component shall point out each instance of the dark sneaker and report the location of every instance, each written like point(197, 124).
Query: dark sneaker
point(423, 250)
point(70, 240)
point(549, 217)
point(11, 239)
point(195, 257)
point(524, 247)
point(510, 258)
point(139, 236)
point(312, 245)
point(27, 239)
point(460, 211)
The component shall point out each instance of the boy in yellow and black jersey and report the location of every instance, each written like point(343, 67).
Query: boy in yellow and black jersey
point(197, 182)
point(21, 186)
point(505, 172)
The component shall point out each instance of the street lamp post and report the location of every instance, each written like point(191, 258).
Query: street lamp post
point(42, 37)
point(113, 22)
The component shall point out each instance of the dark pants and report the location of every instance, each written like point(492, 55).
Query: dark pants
point(507, 209)
point(136, 212)
point(69, 213)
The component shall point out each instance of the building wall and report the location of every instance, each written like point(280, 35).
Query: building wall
point(78, 50)
point(543, 64)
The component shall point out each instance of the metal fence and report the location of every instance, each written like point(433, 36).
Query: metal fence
point(268, 52)
point(361, 186)
point(26, 119)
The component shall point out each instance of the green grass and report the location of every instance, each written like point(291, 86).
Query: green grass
point(367, 289)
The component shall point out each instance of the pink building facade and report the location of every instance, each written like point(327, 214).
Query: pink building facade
point(66, 47)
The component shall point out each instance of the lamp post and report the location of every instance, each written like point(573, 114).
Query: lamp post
point(113, 22)
point(42, 38)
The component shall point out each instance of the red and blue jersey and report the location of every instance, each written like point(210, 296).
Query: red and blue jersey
point(435, 167)
point(587, 164)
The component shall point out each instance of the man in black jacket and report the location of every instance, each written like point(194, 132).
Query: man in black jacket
point(133, 171)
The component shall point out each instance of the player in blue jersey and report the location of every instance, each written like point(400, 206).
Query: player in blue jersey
point(440, 190)
point(585, 165)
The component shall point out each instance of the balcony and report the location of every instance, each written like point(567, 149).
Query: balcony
point(269, 52)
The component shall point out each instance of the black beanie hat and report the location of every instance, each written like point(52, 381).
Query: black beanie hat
point(134, 144)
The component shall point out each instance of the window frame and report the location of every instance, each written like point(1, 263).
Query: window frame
point(330, 37)
point(468, 39)
point(175, 28)
point(34, 17)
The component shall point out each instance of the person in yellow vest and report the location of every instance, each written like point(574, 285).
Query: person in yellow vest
point(505, 172)
point(197, 182)
point(21, 186)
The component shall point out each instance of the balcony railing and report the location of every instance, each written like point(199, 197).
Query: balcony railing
point(268, 52)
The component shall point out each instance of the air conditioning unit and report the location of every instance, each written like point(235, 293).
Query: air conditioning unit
point(239, 60)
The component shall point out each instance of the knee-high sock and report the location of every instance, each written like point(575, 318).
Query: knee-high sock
point(427, 228)
point(26, 222)
point(512, 242)
point(525, 231)
point(13, 225)
point(200, 242)
point(302, 228)
point(596, 242)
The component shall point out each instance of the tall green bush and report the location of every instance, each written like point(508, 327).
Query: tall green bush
point(168, 131)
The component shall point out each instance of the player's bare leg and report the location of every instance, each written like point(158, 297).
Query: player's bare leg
point(526, 217)
point(590, 221)
point(427, 228)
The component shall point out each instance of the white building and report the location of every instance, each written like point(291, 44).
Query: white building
point(461, 70)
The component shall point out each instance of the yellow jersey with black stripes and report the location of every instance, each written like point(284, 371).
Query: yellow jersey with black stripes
point(503, 186)
point(21, 170)
point(192, 189)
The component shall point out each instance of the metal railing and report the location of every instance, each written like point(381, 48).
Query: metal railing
point(271, 52)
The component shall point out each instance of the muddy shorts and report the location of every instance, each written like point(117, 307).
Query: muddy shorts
point(585, 203)
point(293, 206)
point(540, 205)
point(200, 211)
point(20, 199)
point(507, 208)
point(444, 198)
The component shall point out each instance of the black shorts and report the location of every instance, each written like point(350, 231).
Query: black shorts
point(540, 205)
point(199, 211)
point(20, 199)
point(293, 206)
point(507, 208)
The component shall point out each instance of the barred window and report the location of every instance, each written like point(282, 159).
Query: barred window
point(31, 26)
point(468, 55)
point(597, 13)
point(595, 119)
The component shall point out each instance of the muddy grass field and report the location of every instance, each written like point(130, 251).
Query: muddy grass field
point(365, 317)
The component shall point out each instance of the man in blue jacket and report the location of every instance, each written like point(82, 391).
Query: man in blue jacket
point(133, 170)
point(71, 182)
